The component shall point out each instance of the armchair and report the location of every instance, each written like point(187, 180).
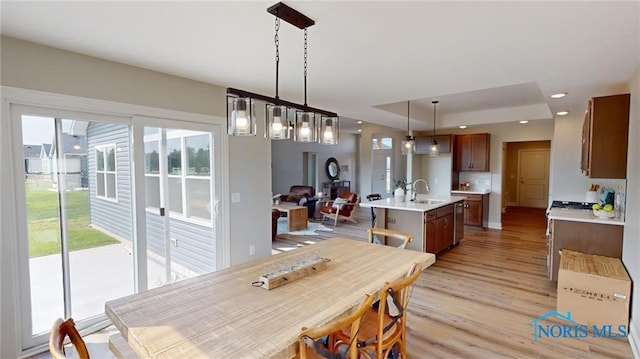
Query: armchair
point(302, 196)
point(342, 207)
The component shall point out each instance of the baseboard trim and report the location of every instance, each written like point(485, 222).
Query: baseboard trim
point(634, 339)
point(495, 225)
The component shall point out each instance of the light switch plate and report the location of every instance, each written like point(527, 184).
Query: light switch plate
point(235, 197)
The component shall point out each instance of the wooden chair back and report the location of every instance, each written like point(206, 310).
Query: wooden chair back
point(60, 330)
point(351, 321)
point(373, 337)
point(405, 237)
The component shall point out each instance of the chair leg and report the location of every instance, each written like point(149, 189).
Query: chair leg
point(336, 221)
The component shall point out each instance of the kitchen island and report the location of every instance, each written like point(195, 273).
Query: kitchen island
point(431, 219)
point(580, 230)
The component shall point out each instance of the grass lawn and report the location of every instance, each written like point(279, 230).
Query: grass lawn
point(44, 226)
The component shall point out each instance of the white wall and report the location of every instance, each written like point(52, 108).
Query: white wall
point(32, 66)
point(631, 244)
point(567, 181)
point(500, 133)
point(287, 157)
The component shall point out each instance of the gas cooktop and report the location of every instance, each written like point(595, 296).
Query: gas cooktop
point(571, 205)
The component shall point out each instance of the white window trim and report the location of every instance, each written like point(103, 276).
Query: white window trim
point(104, 172)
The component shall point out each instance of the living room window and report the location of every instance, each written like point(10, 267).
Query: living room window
point(106, 172)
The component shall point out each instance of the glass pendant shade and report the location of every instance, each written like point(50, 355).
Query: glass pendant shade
point(328, 130)
point(277, 123)
point(408, 145)
point(305, 128)
point(241, 118)
point(435, 149)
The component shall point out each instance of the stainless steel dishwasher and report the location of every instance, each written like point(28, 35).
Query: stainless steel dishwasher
point(458, 222)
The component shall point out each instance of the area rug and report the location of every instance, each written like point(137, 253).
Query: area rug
point(311, 229)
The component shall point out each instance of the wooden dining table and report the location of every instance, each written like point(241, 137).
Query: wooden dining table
point(222, 315)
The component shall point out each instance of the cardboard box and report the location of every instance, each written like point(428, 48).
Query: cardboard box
point(595, 289)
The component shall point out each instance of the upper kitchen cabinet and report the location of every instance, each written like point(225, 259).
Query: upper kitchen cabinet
point(423, 144)
point(471, 153)
point(605, 133)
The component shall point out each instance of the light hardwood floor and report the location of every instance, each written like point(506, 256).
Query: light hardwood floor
point(477, 300)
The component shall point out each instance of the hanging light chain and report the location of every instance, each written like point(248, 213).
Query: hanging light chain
point(276, 40)
point(305, 66)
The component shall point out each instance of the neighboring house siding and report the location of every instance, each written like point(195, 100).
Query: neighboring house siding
point(195, 246)
point(115, 217)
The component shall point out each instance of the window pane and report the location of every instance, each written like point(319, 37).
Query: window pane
point(151, 157)
point(175, 194)
point(198, 158)
point(111, 185)
point(198, 198)
point(111, 159)
point(100, 187)
point(153, 191)
point(151, 131)
point(174, 155)
point(100, 159)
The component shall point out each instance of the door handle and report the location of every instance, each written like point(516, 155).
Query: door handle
point(216, 207)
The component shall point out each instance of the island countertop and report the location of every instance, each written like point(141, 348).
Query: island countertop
point(582, 215)
point(391, 203)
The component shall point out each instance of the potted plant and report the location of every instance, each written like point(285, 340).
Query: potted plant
point(401, 189)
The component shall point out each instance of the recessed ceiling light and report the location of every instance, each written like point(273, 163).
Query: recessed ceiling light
point(359, 130)
point(562, 113)
point(559, 95)
point(524, 121)
point(463, 126)
point(359, 122)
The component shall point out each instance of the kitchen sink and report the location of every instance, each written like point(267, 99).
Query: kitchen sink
point(429, 201)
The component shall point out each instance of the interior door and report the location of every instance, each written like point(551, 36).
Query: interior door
point(533, 177)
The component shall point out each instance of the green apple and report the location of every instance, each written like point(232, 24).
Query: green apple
point(608, 207)
point(596, 207)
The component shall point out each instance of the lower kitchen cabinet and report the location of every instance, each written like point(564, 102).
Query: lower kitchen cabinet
point(476, 209)
point(585, 237)
point(439, 229)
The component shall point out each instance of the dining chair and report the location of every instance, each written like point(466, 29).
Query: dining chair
point(383, 327)
point(60, 330)
point(311, 341)
point(376, 233)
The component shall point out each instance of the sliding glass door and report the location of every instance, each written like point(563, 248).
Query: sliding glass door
point(111, 206)
point(78, 228)
point(180, 204)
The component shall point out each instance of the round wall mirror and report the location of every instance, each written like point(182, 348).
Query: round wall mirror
point(333, 169)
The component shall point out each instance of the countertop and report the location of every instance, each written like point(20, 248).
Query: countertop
point(390, 203)
point(471, 191)
point(582, 215)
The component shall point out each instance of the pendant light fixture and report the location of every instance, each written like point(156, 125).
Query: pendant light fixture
point(241, 117)
point(408, 143)
point(305, 128)
point(277, 115)
point(435, 147)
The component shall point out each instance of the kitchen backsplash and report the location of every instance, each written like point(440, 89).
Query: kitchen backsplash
point(479, 181)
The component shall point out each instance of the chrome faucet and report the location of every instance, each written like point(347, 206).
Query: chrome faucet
point(414, 192)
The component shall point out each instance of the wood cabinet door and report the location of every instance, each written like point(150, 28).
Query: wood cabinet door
point(586, 129)
point(430, 237)
point(463, 153)
point(479, 153)
point(444, 232)
point(473, 213)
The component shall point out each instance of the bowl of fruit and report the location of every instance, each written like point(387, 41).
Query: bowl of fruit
point(605, 211)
